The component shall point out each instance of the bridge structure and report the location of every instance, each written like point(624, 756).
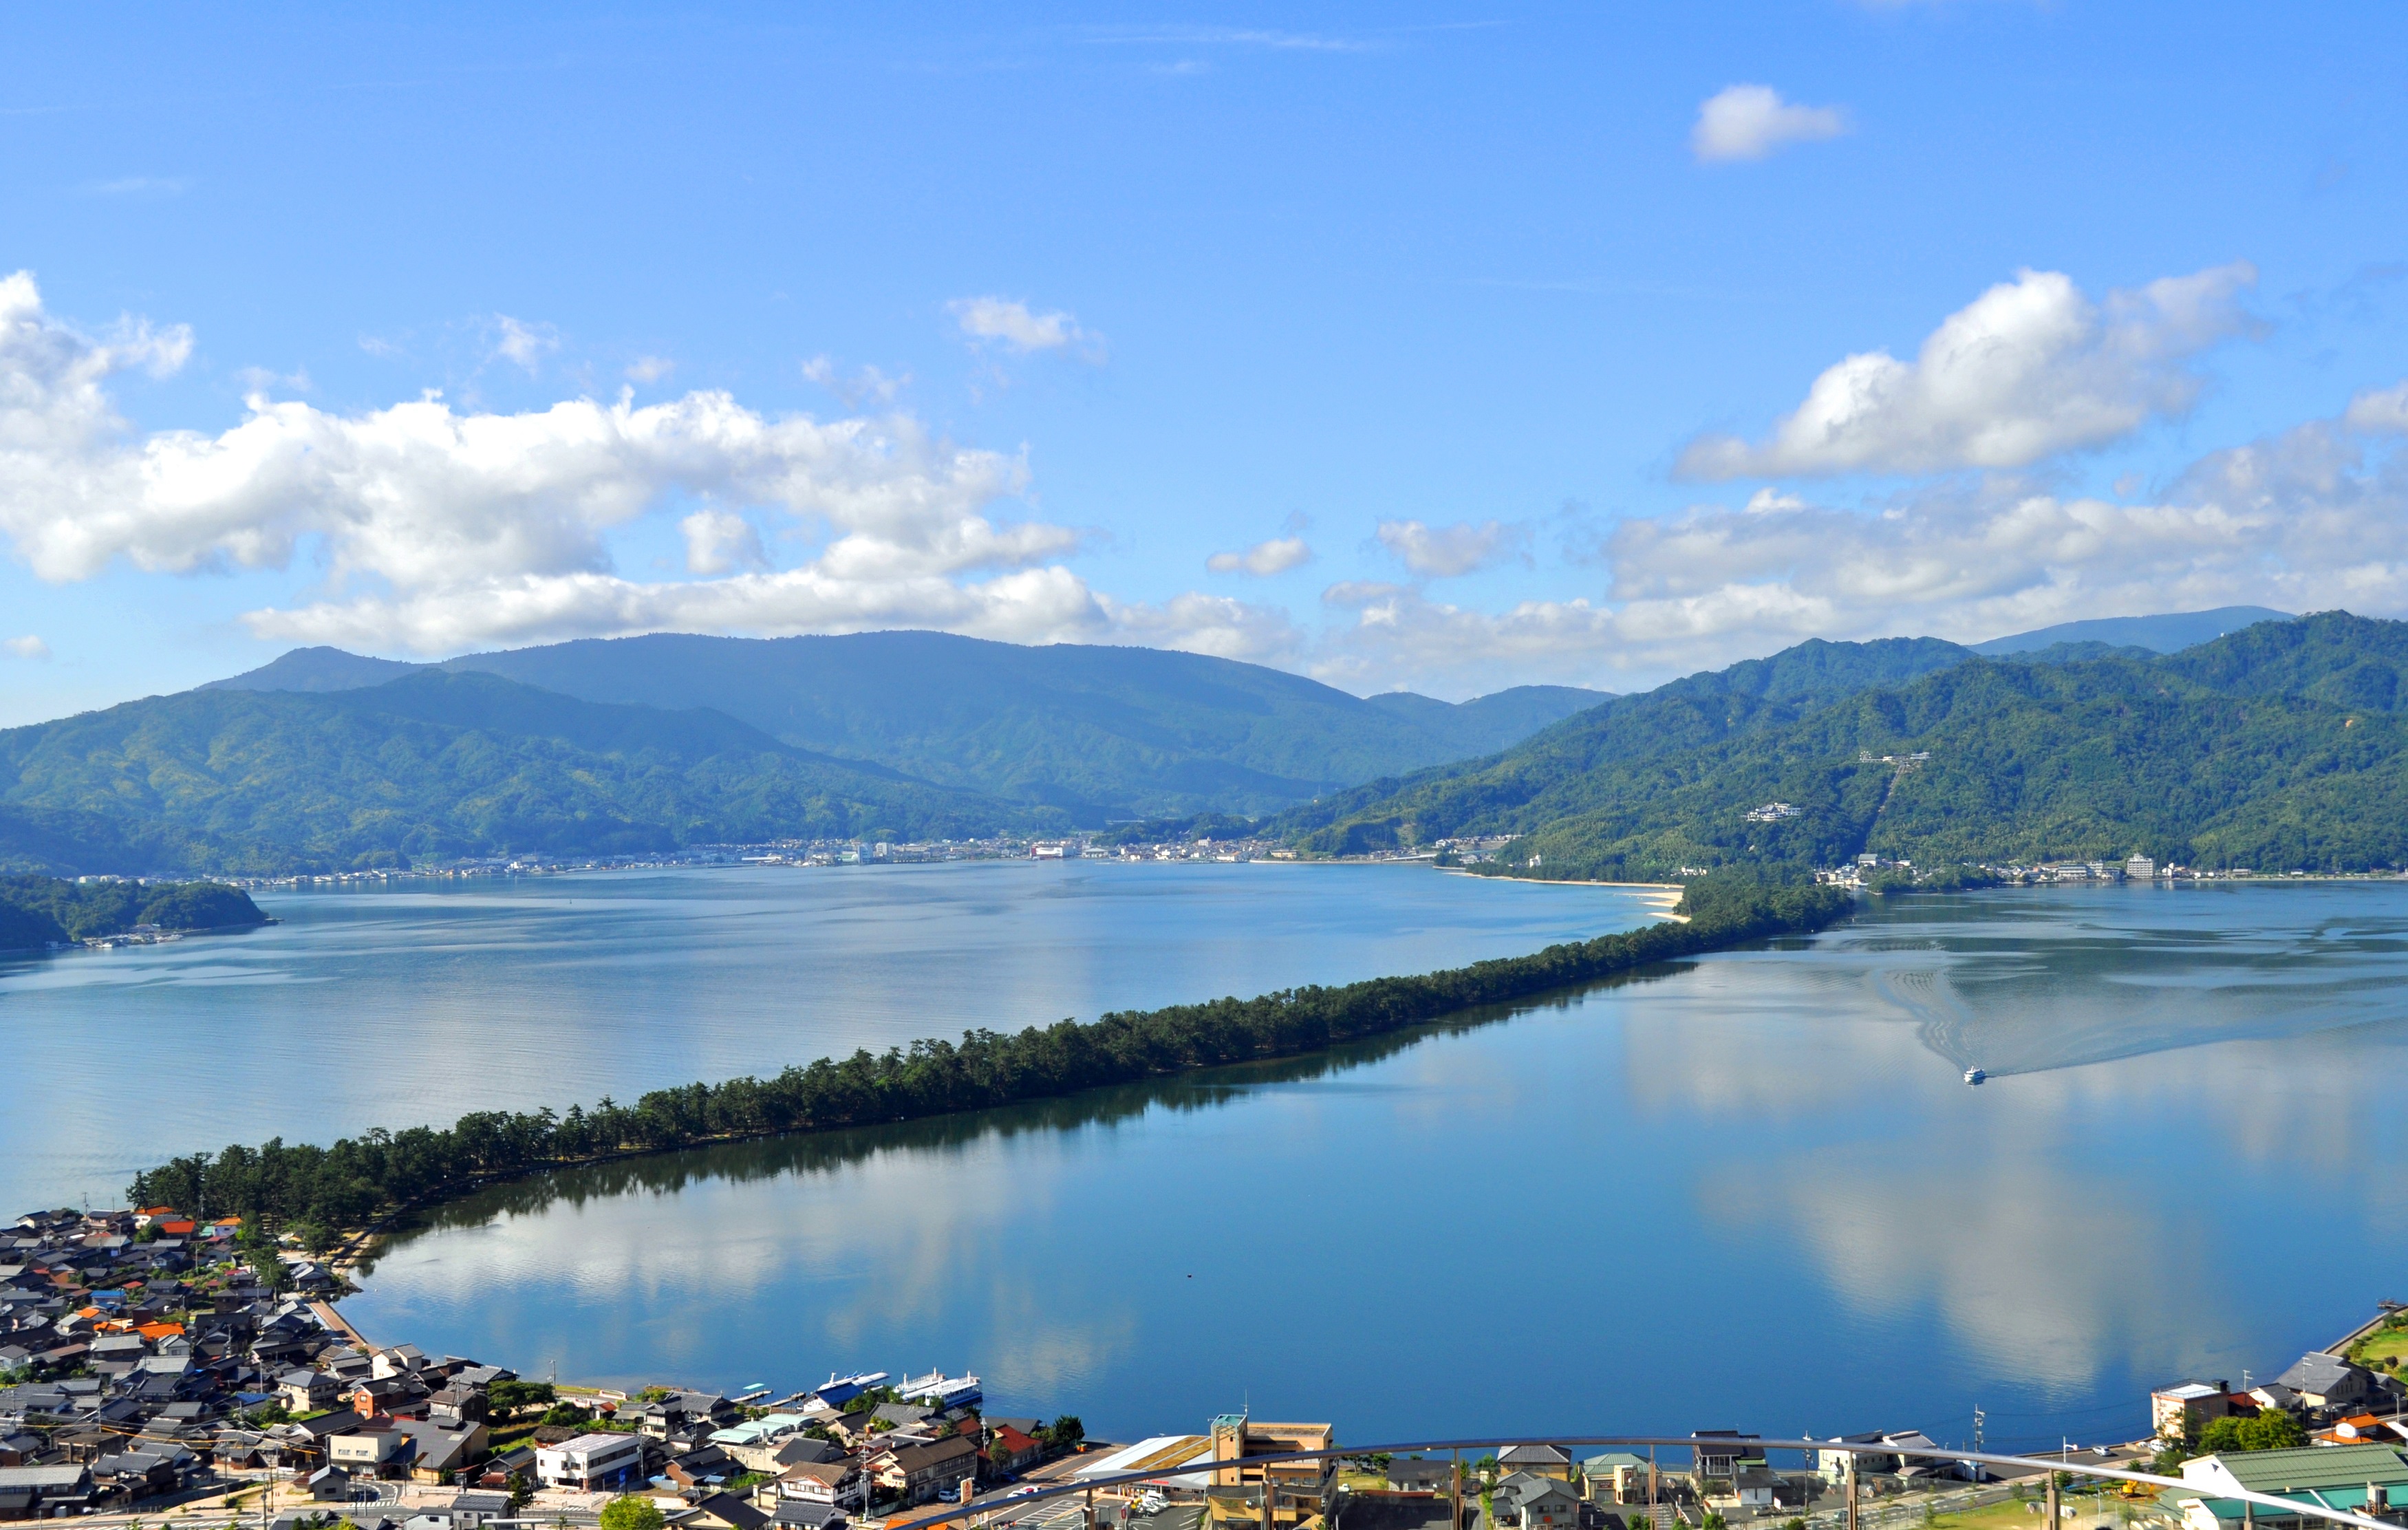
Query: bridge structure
point(2049, 1465)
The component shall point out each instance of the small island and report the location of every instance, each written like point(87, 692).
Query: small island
point(45, 913)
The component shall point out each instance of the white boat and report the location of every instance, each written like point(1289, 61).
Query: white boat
point(1974, 1075)
point(938, 1389)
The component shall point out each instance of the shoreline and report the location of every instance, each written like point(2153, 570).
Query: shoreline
point(982, 1072)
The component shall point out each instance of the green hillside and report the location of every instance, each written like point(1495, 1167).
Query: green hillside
point(1561, 770)
point(2277, 748)
point(36, 911)
point(431, 765)
point(1101, 733)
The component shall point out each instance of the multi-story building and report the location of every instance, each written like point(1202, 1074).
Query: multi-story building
point(1247, 1491)
point(589, 1462)
point(2178, 1410)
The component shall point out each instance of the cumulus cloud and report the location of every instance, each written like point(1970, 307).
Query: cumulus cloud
point(1749, 121)
point(2385, 412)
point(2029, 369)
point(2310, 519)
point(1444, 552)
point(438, 529)
point(522, 344)
point(1213, 624)
point(27, 647)
point(1263, 559)
point(1011, 324)
point(720, 541)
point(650, 368)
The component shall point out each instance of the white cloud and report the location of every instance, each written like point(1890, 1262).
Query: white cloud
point(523, 343)
point(1749, 121)
point(1015, 325)
point(1201, 623)
point(259, 379)
point(2379, 412)
point(721, 541)
point(866, 386)
point(1444, 552)
point(439, 529)
point(27, 647)
point(1355, 594)
point(1263, 559)
point(650, 368)
point(2029, 369)
point(2311, 519)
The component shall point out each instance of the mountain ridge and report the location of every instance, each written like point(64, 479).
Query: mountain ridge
point(1098, 732)
point(2283, 745)
point(434, 765)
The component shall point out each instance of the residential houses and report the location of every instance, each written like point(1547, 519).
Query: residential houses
point(2361, 1479)
point(150, 1358)
point(1525, 1500)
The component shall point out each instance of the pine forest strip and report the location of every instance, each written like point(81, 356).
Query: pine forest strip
point(360, 1181)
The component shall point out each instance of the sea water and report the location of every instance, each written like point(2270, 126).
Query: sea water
point(1746, 1190)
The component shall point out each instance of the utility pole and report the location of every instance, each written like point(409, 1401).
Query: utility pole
point(1459, 1491)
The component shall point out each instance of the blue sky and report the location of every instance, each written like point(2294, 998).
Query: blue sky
point(1441, 347)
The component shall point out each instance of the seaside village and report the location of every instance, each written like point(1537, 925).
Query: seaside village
point(162, 1369)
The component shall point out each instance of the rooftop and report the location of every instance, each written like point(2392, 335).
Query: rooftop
point(2315, 1467)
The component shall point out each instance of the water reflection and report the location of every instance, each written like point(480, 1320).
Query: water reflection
point(1748, 1188)
point(409, 1005)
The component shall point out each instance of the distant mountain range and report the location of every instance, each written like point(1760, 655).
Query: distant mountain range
point(432, 764)
point(2169, 633)
point(326, 760)
point(2274, 744)
point(1098, 733)
point(2277, 746)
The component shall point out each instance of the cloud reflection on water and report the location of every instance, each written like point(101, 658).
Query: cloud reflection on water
point(1776, 1139)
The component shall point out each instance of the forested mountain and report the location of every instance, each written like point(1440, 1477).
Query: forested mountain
point(432, 763)
point(36, 911)
point(1557, 772)
point(1098, 732)
point(2278, 747)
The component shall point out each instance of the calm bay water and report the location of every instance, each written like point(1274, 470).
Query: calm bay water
point(1749, 1190)
point(399, 1008)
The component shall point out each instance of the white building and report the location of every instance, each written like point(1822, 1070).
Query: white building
point(591, 1461)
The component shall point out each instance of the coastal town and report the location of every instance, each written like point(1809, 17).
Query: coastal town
point(1868, 871)
point(163, 1368)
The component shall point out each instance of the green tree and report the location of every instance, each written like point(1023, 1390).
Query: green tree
point(631, 1511)
point(510, 1397)
point(2271, 1430)
point(1066, 1433)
